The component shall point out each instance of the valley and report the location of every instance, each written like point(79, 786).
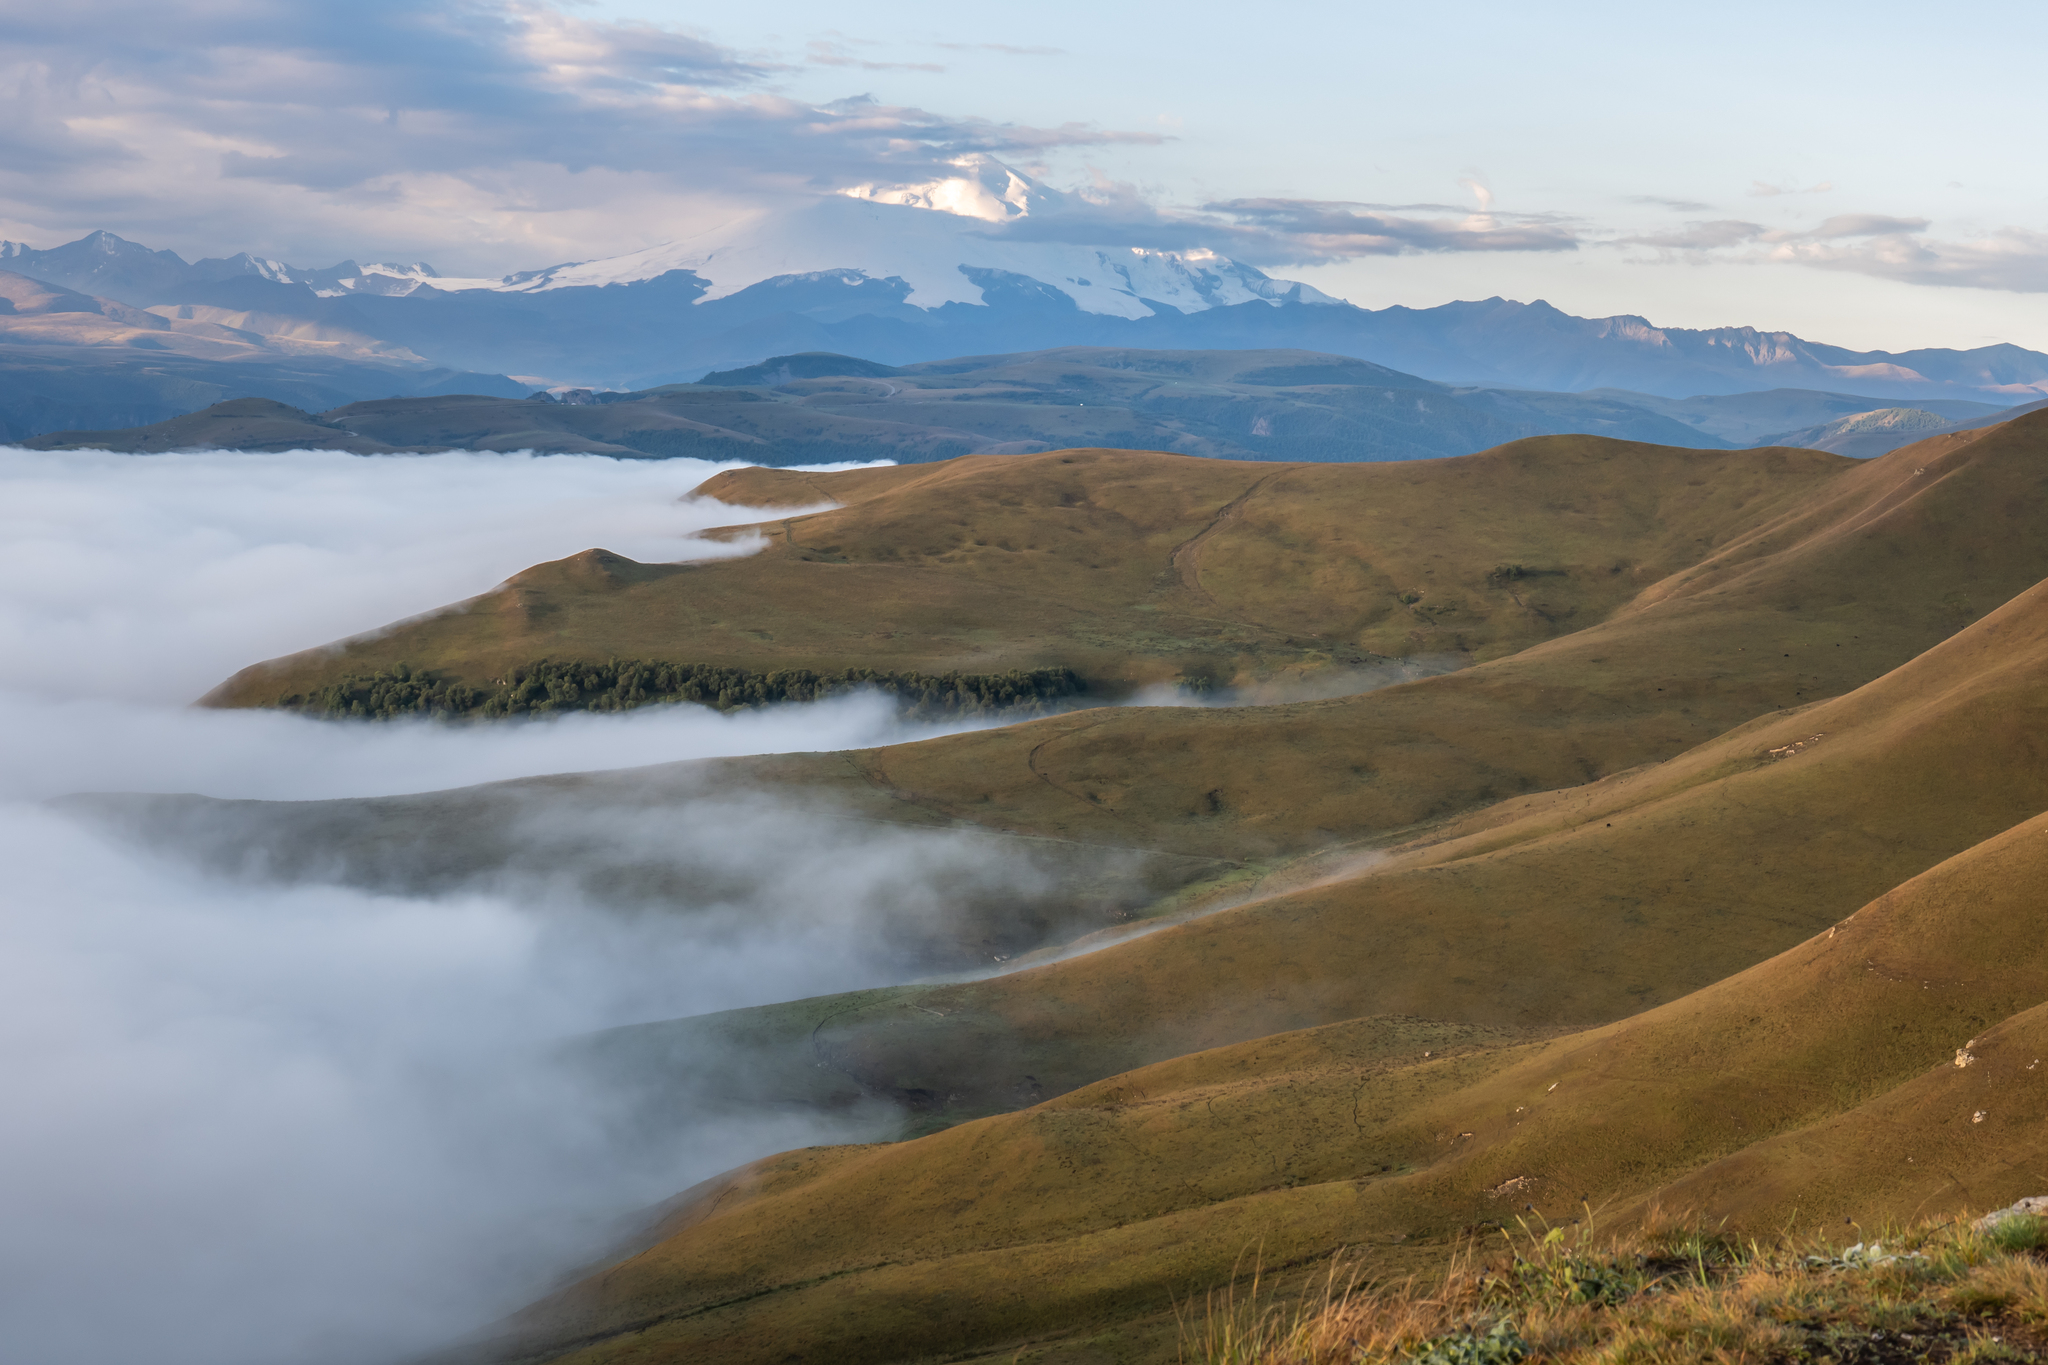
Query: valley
point(1683, 894)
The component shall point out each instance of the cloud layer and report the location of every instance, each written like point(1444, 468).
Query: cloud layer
point(261, 1115)
point(518, 125)
point(1879, 245)
point(157, 577)
point(531, 133)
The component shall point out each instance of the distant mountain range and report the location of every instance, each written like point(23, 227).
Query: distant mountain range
point(982, 262)
point(1244, 405)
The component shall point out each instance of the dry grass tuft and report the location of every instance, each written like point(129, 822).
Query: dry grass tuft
point(1937, 1292)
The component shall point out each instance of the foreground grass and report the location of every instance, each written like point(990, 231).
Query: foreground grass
point(1938, 1292)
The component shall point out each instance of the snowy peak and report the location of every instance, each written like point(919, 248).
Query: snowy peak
point(985, 189)
point(944, 239)
point(378, 277)
point(934, 242)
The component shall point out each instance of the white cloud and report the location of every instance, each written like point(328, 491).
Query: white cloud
point(1310, 231)
point(1697, 237)
point(1883, 246)
point(314, 1116)
point(156, 577)
point(1851, 225)
point(1760, 189)
point(2011, 259)
point(516, 133)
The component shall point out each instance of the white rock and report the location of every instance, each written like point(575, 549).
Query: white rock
point(2034, 1206)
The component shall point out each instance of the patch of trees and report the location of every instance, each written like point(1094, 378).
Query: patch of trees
point(549, 687)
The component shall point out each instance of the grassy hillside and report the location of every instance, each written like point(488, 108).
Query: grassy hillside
point(1128, 567)
point(1795, 595)
point(1555, 910)
point(1885, 1064)
point(1712, 888)
point(1803, 599)
point(1691, 655)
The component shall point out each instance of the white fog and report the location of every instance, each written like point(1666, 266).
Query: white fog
point(253, 1119)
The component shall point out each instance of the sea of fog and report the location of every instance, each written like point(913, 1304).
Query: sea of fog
point(296, 1123)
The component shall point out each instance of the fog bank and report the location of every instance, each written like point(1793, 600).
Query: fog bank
point(309, 1124)
point(298, 1119)
point(154, 577)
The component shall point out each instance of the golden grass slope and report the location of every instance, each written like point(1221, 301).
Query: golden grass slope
point(1129, 567)
point(1823, 1082)
point(1560, 910)
point(1806, 600)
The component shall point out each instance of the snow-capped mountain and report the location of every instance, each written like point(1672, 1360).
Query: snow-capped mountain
point(104, 265)
point(940, 237)
point(981, 260)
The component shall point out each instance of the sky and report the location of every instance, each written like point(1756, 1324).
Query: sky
point(1860, 175)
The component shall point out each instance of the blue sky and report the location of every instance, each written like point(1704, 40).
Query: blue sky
point(1867, 175)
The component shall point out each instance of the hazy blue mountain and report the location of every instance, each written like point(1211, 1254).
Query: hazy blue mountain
point(45, 389)
point(819, 406)
point(70, 359)
point(815, 407)
point(1871, 433)
point(914, 285)
point(1774, 416)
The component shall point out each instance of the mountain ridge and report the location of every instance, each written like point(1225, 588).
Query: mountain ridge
point(905, 283)
point(820, 408)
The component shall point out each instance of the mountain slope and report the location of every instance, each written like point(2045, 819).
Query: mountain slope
point(1784, 606)
point(1824, 1080)
point(1698, 650)
point(1570, 907)
point(1755, 419)
point(1626, 990)
point(1862, 435)
point(1130, 568)
point(1650, 612)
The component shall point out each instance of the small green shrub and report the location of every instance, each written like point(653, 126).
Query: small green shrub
point(1499, 1345)
point(2021, 1232)
point(549, 687)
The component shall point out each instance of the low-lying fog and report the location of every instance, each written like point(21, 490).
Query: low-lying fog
point(284, 1119)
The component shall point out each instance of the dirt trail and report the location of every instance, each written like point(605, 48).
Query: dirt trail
point(1031, 762)
point(1187, 556)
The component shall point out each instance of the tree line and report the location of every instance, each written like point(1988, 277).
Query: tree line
point(550, 687)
